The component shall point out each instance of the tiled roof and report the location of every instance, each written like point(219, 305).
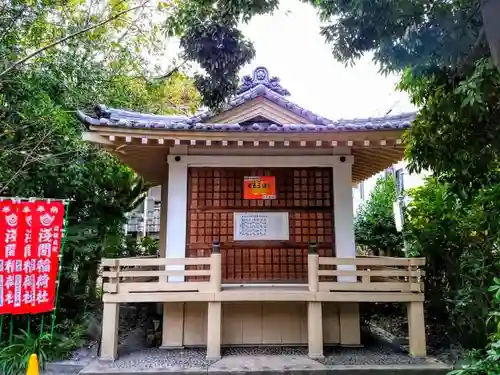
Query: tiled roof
point(115, 115)
point(259, 85)
point(143, 121)
point(263, 91)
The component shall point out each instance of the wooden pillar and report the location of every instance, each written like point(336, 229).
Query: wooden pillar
point(173, 325)
point(109, 334)
point(314, 309)
point(345, 247)
point(315, 329)
point(215, 268)
point(416, 329)
point(350, 328)
point(176, 212)
point(312, 267)
point(175, 196)
point(163, 218)
point(214, 330)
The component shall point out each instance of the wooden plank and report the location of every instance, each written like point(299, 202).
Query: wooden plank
point(369, 287)
point(229, 297)
point(146, 273)
point(381, 273)
point(369, 297)
point(158, 297)
point(129, 262)
point(264, 296)
point(161, 287)
point(379, 261)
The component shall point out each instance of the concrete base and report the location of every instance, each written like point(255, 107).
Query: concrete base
point(271, 364)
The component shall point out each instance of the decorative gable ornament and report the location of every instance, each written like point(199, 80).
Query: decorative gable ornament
point(260, 76)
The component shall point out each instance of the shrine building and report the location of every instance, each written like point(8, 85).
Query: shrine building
point(256, 242)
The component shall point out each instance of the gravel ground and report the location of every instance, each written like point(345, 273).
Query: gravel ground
point(373, 354)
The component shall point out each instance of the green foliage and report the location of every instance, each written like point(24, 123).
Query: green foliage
point(209, 36)
point(14, 355)
point(405, 33)
point(460, 241)
point(456, 132)
point(374, 225)
point(221, 51)
point(119, 247)
point(487, 362)
point(41, 150)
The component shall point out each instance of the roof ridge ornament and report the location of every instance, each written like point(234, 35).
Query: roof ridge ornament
point(260, 76)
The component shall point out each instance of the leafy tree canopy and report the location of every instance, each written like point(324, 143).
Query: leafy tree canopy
point(449, 53)
point(41, 151)
point(456, 132)
point(210, 37)
point(404, 33)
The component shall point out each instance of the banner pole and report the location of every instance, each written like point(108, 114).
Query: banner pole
point(59, 273)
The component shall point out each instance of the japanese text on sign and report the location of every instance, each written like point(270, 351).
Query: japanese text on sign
point(253, 226)
point(259, 226)
point(259, 187)
point(29, 263)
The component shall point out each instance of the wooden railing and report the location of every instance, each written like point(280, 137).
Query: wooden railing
point(135, 275)
point(325, 274)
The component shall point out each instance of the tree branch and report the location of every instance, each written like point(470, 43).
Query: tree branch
point(25, 161)
point(70, 36)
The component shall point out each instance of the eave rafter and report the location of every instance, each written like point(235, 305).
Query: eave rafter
point(146, 152)
point(259, 119)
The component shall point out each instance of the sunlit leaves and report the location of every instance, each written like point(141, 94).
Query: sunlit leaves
point(456, 132)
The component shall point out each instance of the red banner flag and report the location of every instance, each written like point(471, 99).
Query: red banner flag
point(47, 231)
point(12, 256)
point(31, 234)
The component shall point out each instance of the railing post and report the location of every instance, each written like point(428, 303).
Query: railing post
point(214, 313)
point(314, 309)
point(312, 267)
point(215, 267)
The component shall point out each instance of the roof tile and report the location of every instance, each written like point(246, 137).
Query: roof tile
point(260, 85)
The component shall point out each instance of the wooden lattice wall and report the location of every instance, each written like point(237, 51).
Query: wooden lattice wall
point(305, 193)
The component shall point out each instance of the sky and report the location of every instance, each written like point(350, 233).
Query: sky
point(288, 43)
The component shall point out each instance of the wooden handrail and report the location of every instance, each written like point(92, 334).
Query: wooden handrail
point(370, 274)
point(325, 274)
point(128, 275)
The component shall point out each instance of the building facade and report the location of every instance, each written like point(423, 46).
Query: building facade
point(256, 223)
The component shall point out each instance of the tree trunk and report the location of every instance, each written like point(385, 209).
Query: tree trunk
point(490, 12)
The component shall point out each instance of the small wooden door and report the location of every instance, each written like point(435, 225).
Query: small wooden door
point(216, 193)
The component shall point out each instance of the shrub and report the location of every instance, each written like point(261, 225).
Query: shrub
point(374, 225)
point(14, 355)
point(486, 362)
point(459, 240)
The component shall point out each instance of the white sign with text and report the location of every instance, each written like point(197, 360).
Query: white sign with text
point(261, 226)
